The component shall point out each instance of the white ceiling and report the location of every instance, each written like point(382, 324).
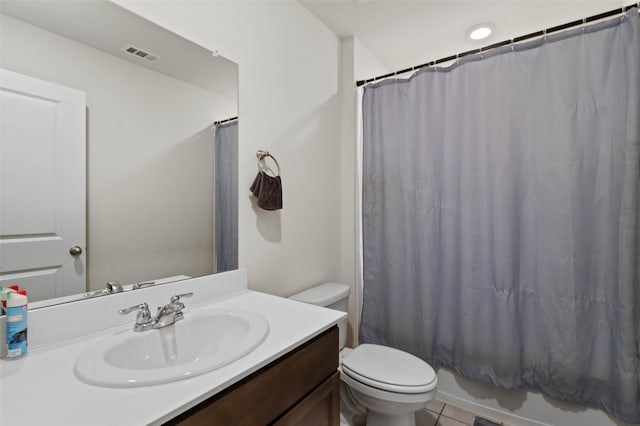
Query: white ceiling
point(403, 33)
point(399, 33)
point(108, 27)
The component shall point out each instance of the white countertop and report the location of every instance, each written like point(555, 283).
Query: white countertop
point(41, 388)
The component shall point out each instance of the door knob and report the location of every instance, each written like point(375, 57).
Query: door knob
point(75, 251)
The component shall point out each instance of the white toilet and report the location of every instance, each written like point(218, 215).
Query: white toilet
point(385, 385)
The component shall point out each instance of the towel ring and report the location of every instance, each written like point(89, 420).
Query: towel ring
point(263, 154)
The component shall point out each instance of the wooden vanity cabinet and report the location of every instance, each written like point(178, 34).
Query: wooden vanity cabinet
point(300, 388)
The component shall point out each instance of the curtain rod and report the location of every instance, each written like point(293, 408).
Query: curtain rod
point(217, 123)
point(620, 10)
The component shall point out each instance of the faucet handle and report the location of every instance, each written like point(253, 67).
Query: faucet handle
point(177, 297)
point(144, 284)
point(141, 306)
point(143, 318)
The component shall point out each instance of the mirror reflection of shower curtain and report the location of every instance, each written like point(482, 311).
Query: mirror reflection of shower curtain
point(226, 196)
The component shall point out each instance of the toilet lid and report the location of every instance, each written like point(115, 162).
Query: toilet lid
point(389, 369)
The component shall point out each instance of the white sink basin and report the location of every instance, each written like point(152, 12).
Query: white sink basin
point(200, 343)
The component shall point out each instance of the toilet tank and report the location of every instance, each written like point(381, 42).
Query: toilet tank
point(329, 295)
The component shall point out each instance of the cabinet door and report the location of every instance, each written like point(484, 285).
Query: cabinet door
point(320, 408)
point(272, 393)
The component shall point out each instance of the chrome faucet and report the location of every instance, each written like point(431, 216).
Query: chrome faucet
point(166, 315)
point(171, 312)
point(112, 287)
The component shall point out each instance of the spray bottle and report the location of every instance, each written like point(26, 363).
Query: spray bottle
point(16, 311)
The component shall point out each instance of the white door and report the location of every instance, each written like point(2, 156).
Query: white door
point(42, 186)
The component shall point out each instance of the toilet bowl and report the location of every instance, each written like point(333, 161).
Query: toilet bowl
point(381, 386)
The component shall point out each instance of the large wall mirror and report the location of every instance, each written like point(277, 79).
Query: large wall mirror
point(159, 128)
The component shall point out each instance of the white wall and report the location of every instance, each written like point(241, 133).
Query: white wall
point(149, 139)
point(348, 180)
point(366, 64)
point(288, 91)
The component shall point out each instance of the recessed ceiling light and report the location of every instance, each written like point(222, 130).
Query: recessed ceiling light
point(480, 32)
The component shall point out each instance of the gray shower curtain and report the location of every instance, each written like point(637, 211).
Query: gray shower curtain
point(226, 199)
point(501, 216)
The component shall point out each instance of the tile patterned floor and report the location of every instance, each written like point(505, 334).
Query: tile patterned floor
point(437, 413)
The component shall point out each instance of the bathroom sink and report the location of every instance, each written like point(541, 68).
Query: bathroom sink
point(200, 343)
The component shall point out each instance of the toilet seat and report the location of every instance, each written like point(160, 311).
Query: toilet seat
point(389, 369)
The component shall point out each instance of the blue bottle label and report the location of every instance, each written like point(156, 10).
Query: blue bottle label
point(16, 331)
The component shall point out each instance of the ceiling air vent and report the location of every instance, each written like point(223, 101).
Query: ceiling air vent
point(136, 51)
